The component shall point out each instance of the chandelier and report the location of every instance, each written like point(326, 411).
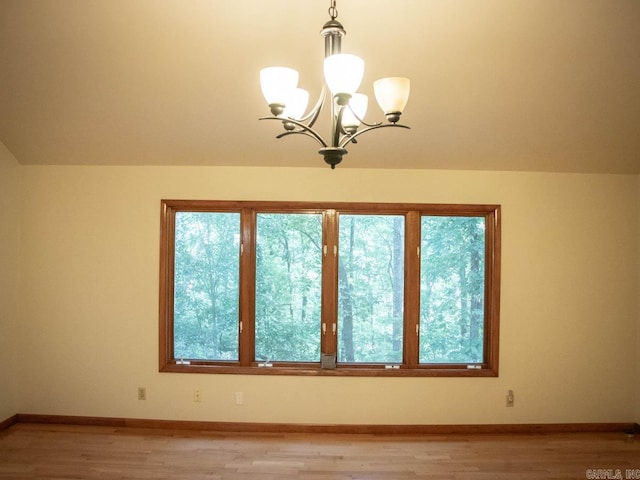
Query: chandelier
point(342, 74)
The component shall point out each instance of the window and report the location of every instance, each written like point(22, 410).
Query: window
point(370, 288)
point(206, 285)
point(288, 287)
point(329, 289)
point(452, 289)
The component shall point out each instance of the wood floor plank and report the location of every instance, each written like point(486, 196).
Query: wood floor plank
point(38, 452)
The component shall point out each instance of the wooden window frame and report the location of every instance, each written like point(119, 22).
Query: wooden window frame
point(410, 366)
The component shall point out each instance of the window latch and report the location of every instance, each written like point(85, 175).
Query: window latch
point(325, 250)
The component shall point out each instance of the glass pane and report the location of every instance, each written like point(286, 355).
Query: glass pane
point(370, 288)
point(206, 287)
point(288, 287)
point(452, 290)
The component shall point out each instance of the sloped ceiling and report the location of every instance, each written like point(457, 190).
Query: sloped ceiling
point(533, 85)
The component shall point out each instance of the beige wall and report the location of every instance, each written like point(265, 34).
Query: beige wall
point(89, 298)
point(9, 251)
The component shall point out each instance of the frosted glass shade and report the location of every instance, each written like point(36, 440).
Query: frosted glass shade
point(277, 83)
point(392, 93)
point(296, 104)
point(358, 104)
point(343, 73)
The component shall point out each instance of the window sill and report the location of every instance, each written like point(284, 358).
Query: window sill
point(340, 371)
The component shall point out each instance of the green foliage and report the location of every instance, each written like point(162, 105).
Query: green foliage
point(206, 285)
point(371, 288)
point(288, 287)
point(452, 290)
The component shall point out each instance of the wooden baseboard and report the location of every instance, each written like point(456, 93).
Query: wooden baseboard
point(4, 424)
point(234, 427)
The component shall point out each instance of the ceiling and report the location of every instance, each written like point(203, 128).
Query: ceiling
point(529, 85)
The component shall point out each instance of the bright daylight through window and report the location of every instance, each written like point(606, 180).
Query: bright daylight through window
point(329, 289)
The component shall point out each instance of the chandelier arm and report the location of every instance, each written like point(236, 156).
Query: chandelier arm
point(361, 120)
point(309, 131)
point(301, 132)
point(345, 132)
point(315, 111)
point(350, 138)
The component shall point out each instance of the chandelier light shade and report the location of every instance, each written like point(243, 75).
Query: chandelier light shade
point(392, 95)
point(357, 110)
point(296, 103)
point(277, 84)
point(343, 75)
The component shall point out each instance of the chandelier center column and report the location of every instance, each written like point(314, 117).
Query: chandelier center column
point(332, 31)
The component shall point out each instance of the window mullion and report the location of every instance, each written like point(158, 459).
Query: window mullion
point(247, 286)
point(329, 335)
point(412, 289)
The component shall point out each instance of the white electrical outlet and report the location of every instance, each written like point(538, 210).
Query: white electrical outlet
point(239, 398)
point(197, 395)
point(510, 398)
point(142, 393)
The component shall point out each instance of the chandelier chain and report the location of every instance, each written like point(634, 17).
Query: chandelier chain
point(333, 11)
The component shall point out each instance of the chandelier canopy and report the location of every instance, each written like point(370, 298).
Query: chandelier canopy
point(343, 74)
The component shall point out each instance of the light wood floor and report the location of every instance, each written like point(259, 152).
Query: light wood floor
point(29, 451)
